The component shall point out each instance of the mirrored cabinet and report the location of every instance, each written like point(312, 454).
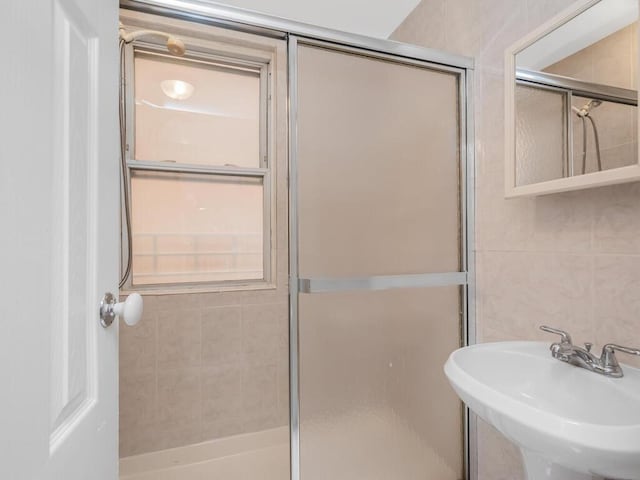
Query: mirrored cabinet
point(571, 101)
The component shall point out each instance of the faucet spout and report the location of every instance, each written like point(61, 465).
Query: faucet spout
point(581, 357)
point(606, 364)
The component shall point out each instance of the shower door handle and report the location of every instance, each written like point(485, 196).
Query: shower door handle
point(130, 310)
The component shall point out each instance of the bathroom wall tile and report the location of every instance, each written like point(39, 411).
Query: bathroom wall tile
point(257, 422)
point(615, 125)
point(179, 339)
point(524, 290)
point(223, 427)
point(258, 297)
point(498, 458)
point(619, 156)
point(221, 392)
point(540, 11)
point(219, 299)
point(578, 65)
point(149, 306)
point(562, 222)
point(170, 303)
point(262, 327)
point(489, 123)
point(501, 22)
point(617, 223)
point(501, 224)
point(179, 396)
point(136, 440)
point(427, 23)
point(138, 344)
point(221, 336)
point(177, 435)
point(555, 223)
point(488, 333)
point(612, 59)
point(463, 33)
point(617, 305)
point(138, 399)
point(283, 384)
point(221, 398)
point(260, 397)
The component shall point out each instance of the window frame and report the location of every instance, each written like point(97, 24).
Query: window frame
point(225, 56)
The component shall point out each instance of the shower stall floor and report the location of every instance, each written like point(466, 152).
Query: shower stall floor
point(263, 455)
point(374, 444)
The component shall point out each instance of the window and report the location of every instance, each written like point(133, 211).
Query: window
point(200, 179)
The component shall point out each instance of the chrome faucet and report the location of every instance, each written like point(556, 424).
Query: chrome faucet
point(607, 364)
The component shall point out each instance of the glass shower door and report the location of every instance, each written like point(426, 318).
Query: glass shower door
point(379, 230)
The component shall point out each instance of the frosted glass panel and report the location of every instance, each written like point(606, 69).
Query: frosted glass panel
point(379, 194)
point(374, 400)
point(378, 160)
point(218, 123)
point(196, 228)
point(541, 148)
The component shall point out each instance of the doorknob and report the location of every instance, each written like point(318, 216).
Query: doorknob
point(130, 310)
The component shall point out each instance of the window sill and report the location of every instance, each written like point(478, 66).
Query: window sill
point(189, 289)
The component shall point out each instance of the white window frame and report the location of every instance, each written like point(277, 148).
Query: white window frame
point(231, 58)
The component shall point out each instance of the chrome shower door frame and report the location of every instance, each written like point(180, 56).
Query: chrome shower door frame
point(465, 278)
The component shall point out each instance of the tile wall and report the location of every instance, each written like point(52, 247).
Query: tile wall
point(569, 260)
point(203, 366)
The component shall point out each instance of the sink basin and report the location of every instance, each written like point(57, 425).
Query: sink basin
point(569, 423)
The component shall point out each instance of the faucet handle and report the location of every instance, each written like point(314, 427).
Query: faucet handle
point(608, 357)
point(565, 337)
point(588, 346)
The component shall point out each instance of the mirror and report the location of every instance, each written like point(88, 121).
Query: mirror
point(571, 105)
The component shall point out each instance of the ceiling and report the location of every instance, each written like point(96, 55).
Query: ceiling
point(377, 18)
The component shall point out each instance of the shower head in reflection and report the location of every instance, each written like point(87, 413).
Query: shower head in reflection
point(174, 45)
point(585, 110)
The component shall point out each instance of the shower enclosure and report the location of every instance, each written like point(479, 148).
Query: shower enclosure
point(377, 231)
point(377, 204)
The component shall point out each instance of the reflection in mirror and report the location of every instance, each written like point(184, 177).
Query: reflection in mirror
point(576, 96)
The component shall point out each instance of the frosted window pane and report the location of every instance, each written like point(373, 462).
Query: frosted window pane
point(541, 148)
point(196, 228)
point(219, 124)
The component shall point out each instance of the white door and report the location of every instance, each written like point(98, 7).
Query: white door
point(58, 239)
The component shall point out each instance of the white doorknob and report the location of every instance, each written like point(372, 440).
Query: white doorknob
point(130, 310)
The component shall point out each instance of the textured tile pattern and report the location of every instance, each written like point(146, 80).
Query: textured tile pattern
point(570, 260)
point(202, 373)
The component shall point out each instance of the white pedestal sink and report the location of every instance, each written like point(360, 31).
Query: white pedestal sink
point(569, 423)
